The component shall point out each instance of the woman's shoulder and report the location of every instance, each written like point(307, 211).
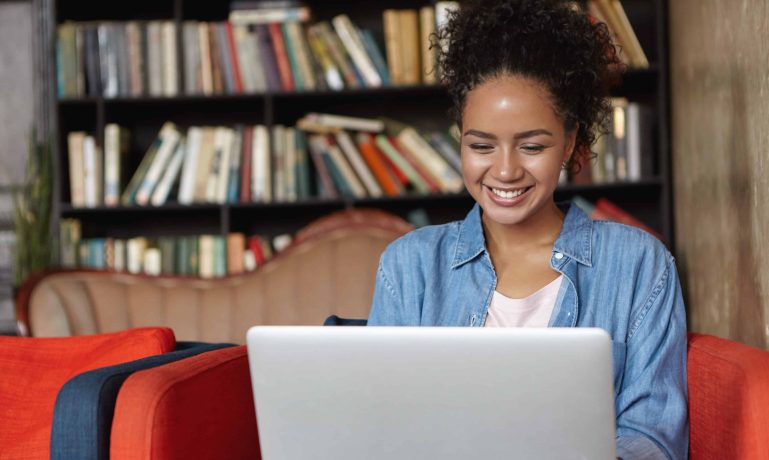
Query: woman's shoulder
point(628, 243)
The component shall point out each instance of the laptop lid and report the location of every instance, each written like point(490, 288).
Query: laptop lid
point(432, 393)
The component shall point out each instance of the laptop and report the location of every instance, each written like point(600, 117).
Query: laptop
point(401, 393)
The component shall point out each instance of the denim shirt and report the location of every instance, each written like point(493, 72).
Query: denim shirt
point(616, 277)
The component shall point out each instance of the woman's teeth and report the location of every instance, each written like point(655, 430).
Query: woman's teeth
point(508, 193)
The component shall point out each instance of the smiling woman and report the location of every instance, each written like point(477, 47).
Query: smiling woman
point(528, 81)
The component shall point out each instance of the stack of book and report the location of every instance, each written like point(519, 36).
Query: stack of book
point(258, 49)
point(325, 155)
point(626, 153)
point(205, 256)
point(613, 15)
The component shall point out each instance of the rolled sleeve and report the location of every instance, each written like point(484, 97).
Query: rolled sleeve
point(652, 421)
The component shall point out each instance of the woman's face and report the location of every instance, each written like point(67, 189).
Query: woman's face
point(513, 145)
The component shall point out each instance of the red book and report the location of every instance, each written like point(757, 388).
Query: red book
point(606, 210)
point(255, 246)
point(375, 161)
point(245, 165)
point(284, 68)
point(234, 58)
point(406, 154)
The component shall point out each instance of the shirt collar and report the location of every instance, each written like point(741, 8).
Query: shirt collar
point(574, 241)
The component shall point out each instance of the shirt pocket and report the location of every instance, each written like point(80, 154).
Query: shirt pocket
point(618, 351)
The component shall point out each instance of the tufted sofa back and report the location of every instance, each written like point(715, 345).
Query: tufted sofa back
point(330, 268)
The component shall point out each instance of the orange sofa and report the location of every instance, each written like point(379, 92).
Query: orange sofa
point(728, 400)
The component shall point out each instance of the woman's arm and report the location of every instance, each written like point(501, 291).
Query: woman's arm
point(651, 405)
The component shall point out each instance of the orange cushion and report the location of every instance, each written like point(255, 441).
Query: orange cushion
point(728, 399)
point(201, 407)
point(32, 370)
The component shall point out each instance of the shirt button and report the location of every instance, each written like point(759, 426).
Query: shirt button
point(558, 255)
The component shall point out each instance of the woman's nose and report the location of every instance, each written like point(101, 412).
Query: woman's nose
point(506, 166)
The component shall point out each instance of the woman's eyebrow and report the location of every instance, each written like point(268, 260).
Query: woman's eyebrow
point(523, 135)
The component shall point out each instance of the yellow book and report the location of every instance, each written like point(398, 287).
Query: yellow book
point(426, 29)
point(391, 20)
point(409, 40)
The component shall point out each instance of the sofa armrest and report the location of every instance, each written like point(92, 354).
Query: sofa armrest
point(85, 405)
point(728, 399)
point(201, 407)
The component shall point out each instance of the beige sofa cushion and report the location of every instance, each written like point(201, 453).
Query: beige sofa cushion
point(330, 268)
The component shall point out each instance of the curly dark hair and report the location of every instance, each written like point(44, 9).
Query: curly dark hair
point(553, 42)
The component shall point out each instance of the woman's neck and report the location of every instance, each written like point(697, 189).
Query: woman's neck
point(541, 229)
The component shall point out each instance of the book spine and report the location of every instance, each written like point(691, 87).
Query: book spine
point(316, 145)
point(170, 175)
point(269, 60)
point(356, 160)
point(428, 55)
point(75, 142)
point(236, 153)
point(377, 165)
point(270, 15)
point(189, 169)
point(233, 52)
point(414, 178)
point(351, 41)
point(246, 165)
point(284, 68)
point(169, 138)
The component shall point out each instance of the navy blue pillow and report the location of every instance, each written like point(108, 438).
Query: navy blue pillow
point(85, 405)
point(334, 320)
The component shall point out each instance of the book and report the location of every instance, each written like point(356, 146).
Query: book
point(410, 46)
point(428, 55)
point(236, 246)
point(206, 70)
point(402, 164)
point(246, 164)
point(321, 53)
point(345, 122)
point(269, 15)
point(355, 159)
point(269, 60)
point(316, 146)
point(368, 150)
point(75, 141)
point(115, 156)
point(169, 138)
point(281, 57)
point(349, 37)
point(393, 49)
point(348, 178)
point(204, 165)
point(170, 175)
point(234, 61)
point(337, 52)
point(261, 174)
point(190, 164)
point(232, 184)
point(446, 177)
point(373, 52)
point(93, 178)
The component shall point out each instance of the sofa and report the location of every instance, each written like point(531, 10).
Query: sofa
point(329, 268)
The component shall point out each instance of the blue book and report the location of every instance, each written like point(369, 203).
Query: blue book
point(376, 56)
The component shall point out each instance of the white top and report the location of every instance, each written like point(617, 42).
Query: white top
point(532, 311)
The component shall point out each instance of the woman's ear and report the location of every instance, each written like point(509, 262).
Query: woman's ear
point(571, 141)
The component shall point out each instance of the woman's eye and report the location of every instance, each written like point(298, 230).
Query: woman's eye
point(532, 148)
point(481, 147)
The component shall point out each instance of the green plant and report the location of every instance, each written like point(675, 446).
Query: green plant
point(35, 245)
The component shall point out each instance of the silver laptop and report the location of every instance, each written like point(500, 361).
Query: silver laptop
point(432, 393)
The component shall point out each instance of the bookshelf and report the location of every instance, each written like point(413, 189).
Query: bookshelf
point(423, 106)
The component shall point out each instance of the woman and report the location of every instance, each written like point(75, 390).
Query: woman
point(527, 79)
